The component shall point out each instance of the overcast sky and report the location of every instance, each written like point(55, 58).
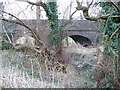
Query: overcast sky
point(16, 8)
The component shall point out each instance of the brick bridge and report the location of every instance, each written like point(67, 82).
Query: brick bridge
point(81, 31)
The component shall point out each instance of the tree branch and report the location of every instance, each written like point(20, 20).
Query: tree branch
point(19, 22)
point(113, 34)
point(22, 24)
point(117, 8)
point(39, 3)
point(45, 7)
point(90, 4)
point(86, 14)
point(12, 16)
point(72, 14)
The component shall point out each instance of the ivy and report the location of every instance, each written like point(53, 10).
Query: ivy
point(112, 25)
point(57, 32)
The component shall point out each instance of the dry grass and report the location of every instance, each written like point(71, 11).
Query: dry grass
point(80, 49)
point(14, 75)
point(19, 71)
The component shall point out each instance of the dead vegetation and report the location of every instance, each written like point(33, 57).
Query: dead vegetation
point(54, 69)
point(75, 67)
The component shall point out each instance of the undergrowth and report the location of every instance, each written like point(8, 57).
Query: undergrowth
point(24, 70)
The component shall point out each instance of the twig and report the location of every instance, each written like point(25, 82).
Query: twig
point(5, 29)
point(105, 29)
point(65, 12)
point(113, 35)
point(22, 24)
point(85, 12)
point(90, 4)
point(22, 11)
point(117, 8)
point(12, 16)
point(45, 7)
point(72, 14)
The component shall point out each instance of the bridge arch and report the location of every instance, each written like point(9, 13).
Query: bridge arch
point(83, 29)
point(81, 40)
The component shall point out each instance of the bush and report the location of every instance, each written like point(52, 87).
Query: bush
point(6, 46)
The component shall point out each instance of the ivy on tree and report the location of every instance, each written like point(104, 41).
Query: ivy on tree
point(57, 32)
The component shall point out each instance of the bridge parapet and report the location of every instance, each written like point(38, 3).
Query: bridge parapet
point(83, 25)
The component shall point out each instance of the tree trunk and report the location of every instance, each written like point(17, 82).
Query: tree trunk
point(118, 74)
point(41, 30)
point(1, 28)
point(38, 21)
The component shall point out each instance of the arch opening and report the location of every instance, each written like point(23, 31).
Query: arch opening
point(81, 40)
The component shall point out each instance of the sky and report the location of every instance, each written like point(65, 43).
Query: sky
point(16, 8)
